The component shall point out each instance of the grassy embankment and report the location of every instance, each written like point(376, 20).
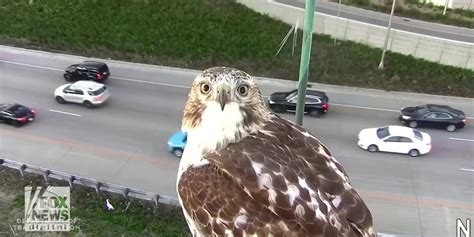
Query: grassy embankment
point(139, 219)
point(204, 33)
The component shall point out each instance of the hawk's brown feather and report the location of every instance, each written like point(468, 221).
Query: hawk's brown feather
point(247, 188)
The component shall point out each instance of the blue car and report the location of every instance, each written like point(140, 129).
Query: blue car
point(177, 143)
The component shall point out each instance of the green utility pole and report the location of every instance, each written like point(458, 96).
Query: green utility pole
point(305, 58)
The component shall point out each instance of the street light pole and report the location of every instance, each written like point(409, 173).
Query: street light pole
point(387, 36)
point(337, 23)
point(445, 7)
point(305, 59)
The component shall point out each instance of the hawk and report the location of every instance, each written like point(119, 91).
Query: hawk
point(248, 172)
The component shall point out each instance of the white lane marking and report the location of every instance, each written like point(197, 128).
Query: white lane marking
point(30, 65)
point(151, 82)
point(118, 78)
point(368, 108)
point(187, 87)
point(62, 112)
point(464, 169)
point(461, 139)
point(364, 107)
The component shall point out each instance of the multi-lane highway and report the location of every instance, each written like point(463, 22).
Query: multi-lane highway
point(124, 142)
point(381, 19)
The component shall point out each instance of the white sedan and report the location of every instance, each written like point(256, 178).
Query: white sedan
point(396, 139)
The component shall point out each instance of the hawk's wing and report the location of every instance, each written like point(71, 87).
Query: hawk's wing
point(281, 177)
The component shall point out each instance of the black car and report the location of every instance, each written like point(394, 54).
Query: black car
point(316, 102)
point(433, 116)
point(87, 70)
point(16, 114)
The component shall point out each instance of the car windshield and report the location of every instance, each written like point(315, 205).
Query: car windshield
point(18, 109)
point(418, 135)
point(104, 68)
point(97, 92)
point(291, 95)
point(421, 109)
point(382, 132)
point(4, 107)
point(325, 99)
point(71, 67)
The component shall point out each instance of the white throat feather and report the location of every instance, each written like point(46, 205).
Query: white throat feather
point(216, 130)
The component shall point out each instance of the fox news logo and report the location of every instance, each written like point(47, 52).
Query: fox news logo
point(48, 209)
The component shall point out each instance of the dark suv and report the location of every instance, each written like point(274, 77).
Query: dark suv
point(87, 70)
point(316, 102)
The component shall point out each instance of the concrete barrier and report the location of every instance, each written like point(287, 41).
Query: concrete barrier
point(443, 51)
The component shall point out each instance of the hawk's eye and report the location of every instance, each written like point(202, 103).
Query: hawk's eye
point(243, 90)
point(205, 88)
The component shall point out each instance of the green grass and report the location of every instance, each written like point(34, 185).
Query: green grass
point(139, 219)
point(203, 33)
point(416, 10)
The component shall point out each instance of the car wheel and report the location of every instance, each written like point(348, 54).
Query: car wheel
point(413, 124)
point(414, 153)
point(88, 104)
point(178, 152)
point(67, 77)
point(451, 128)
point(60, 99)
point(372, 148)
point(315, 113)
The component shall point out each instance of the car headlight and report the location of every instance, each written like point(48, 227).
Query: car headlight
point(271, 102)
point(406, 117)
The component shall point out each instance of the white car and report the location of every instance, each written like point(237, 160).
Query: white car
point(88, 93)
point(397, 139)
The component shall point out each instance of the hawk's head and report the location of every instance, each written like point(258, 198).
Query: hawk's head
point(225, 103)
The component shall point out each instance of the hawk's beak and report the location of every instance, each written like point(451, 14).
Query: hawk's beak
point(223, 94)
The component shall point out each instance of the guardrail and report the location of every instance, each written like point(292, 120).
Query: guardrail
point(103, 186)
point(88, 182)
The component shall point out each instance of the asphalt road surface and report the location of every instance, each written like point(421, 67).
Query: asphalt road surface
point(381, 19)
point(124, 142)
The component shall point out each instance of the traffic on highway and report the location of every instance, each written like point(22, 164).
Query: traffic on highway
point(130, 124)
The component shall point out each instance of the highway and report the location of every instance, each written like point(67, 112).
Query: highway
point(124, 142)
point(381, 19)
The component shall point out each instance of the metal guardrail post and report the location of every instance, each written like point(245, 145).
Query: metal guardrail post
point(125, 193)
point(22, 170)
point(97, 188)
point(45, 176)
point(71, 180)
point(156, 198)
